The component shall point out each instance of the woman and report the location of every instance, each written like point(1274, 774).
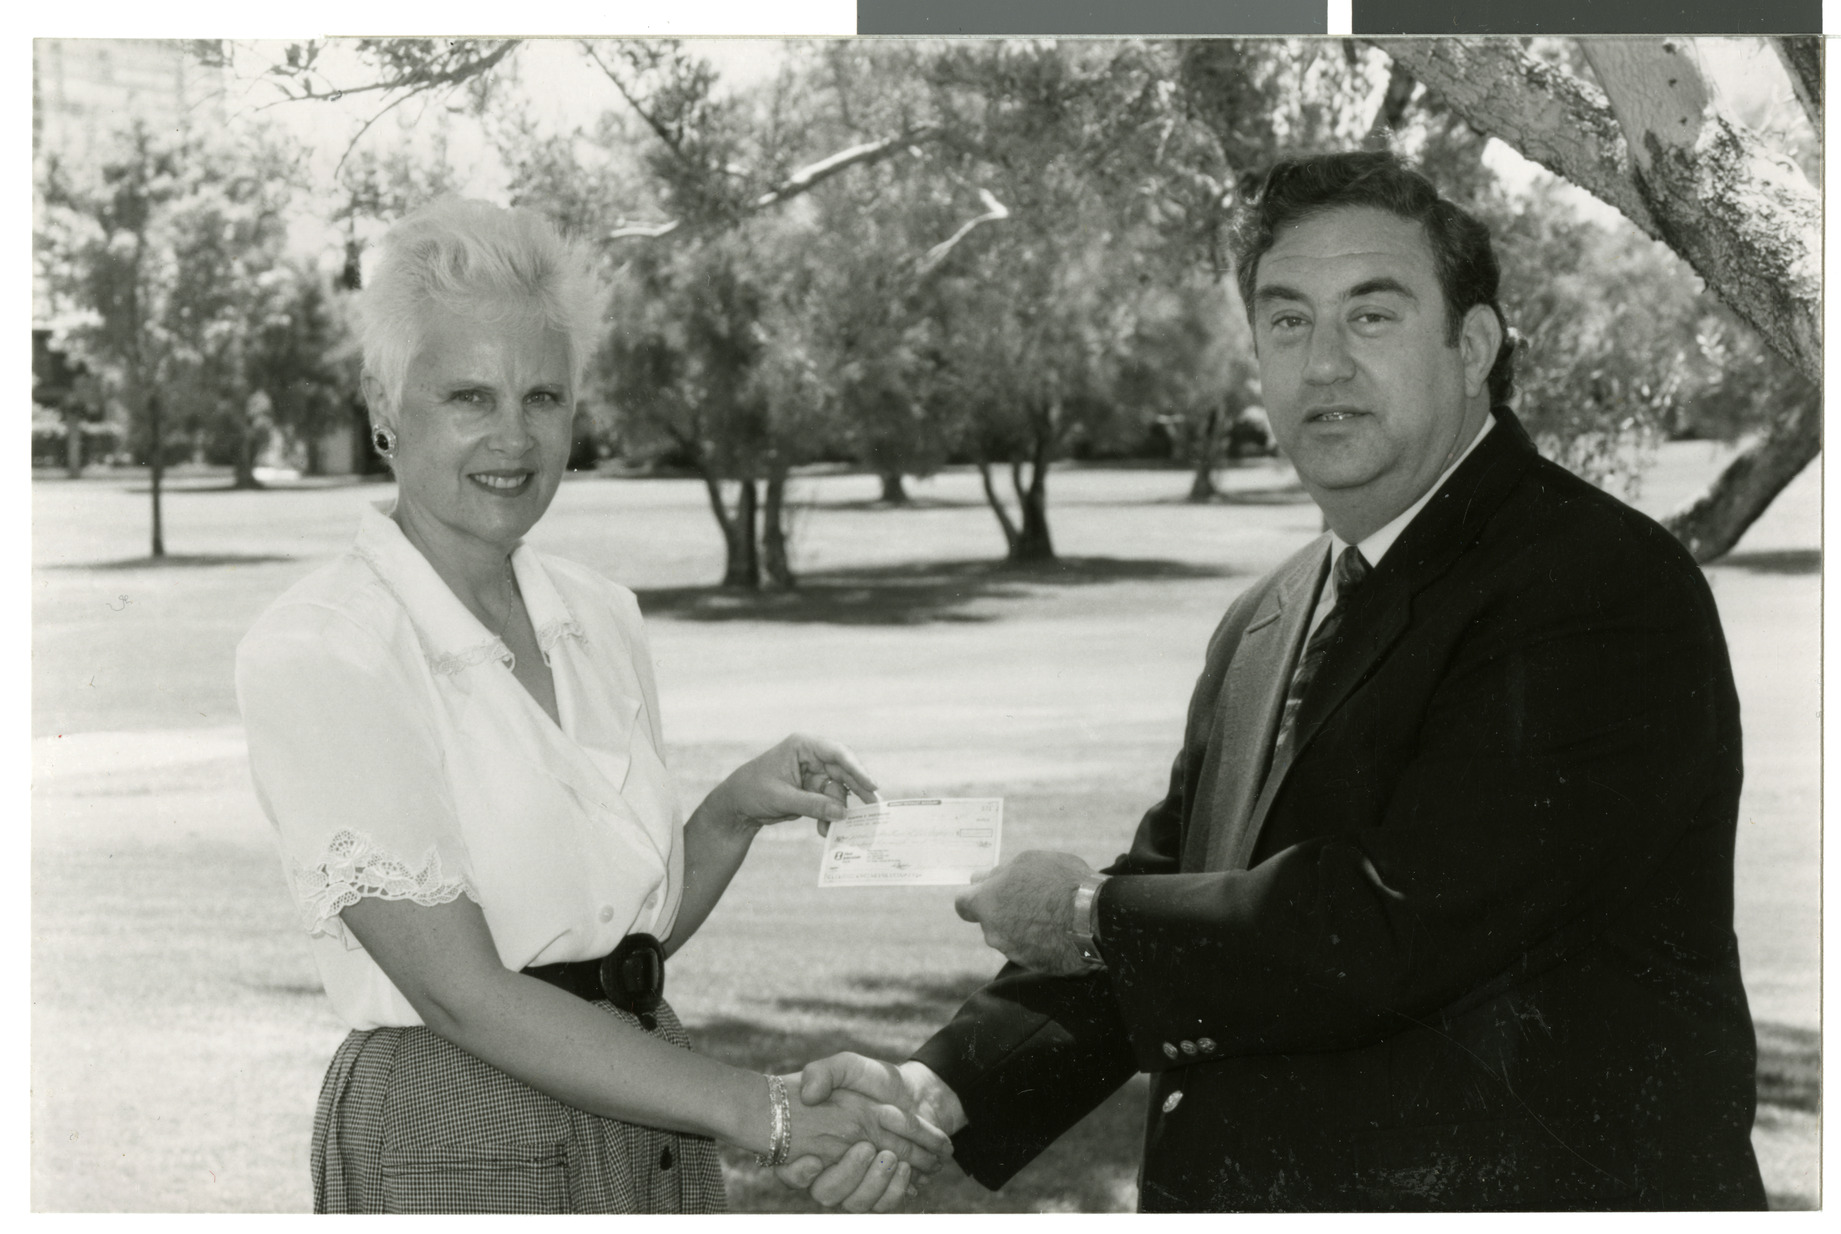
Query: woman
point(457, 740)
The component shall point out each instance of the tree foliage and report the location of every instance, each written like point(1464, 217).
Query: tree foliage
point(903, 252)
point(166, 262)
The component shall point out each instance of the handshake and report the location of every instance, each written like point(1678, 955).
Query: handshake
point(862, 1133)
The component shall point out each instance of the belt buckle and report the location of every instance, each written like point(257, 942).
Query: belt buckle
point(633, 977)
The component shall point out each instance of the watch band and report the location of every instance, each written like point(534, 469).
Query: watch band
point(1086, 919)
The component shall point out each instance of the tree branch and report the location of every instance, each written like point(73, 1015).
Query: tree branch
point(670, 139)
point(814, 174)
point(1545, 113)
point(418, 79)
point(1712, 523)
point(1745, 219)
point(1392, 112)
point(804, 180)
point(643, 231)
point(994, 211)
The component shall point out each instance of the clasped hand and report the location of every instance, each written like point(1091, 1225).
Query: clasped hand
point(844, 1133)
point(869, 1176)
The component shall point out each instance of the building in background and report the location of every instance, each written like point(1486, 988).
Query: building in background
point(84, 89)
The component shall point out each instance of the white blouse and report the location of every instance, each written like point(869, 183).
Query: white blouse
point(397, 756)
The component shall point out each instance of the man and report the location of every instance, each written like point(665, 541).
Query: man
point(1438, 910)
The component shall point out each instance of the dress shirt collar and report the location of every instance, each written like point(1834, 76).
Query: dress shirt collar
point(1376, 545)
point(452, 637)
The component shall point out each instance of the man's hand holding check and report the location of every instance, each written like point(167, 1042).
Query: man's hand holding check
point(1026, 909)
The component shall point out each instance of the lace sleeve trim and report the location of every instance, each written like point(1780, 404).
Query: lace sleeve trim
point(355, 868)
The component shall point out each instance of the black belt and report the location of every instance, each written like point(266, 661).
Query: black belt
point(631, 977)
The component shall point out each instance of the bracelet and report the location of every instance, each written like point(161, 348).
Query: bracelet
point(781, 1145)
point(1086, 920)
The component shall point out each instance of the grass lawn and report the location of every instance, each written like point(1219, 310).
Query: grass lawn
point(178, 1029)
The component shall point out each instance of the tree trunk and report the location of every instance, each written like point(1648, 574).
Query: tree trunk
point(246, 461)
point(1713, 522)
point(73, 444)
point(739, 568)
point(157, 459)
point(997, 508)
point(744, 564)
point(1032, 546)
point(1202, 488)
point(776, 573)
point(893, 491)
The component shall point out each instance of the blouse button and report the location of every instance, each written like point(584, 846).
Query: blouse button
point(664, 1159)
point(607, 912)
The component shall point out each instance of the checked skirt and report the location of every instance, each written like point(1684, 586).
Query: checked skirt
point(409, 1123)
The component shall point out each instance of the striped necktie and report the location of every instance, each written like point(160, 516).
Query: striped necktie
point(1351, 571)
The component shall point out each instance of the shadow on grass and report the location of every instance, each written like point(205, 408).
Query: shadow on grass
point(176, 561)
point(1789, 1101)
point(289, 989)
point(1775, 561)
point(1279, 495)
point(908, 594)
point(1789, 1067)
point(217, 484)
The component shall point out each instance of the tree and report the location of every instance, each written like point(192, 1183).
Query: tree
point(1096, 174)
point(225, 237)
point(678, 369)
point(67, 391)
point(1190, 367)
point(1033, 149)
point(1652, 139)
point(100, 252)
point(156, 260)
point(1261, 98)
point(709, 351)
point(871, 313)
point(294, 357)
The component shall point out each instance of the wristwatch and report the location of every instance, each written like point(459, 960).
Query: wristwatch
point(1086, 920)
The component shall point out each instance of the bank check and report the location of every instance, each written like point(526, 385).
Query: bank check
point(916, 841)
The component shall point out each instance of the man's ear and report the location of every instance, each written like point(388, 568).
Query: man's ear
point(1480, 340)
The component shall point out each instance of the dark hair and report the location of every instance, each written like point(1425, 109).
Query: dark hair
point(1297, 188)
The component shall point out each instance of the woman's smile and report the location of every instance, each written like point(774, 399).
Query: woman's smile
point(502, 483)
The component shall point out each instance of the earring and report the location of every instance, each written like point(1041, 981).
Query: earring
point(383, 438)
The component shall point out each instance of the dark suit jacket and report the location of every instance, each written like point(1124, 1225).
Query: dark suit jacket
point(1472, 946)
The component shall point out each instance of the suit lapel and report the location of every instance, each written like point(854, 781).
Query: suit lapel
point(1370, 629)
point(1379, 615)
point(1249, 705)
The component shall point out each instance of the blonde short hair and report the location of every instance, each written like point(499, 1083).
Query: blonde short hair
point(482, 261)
